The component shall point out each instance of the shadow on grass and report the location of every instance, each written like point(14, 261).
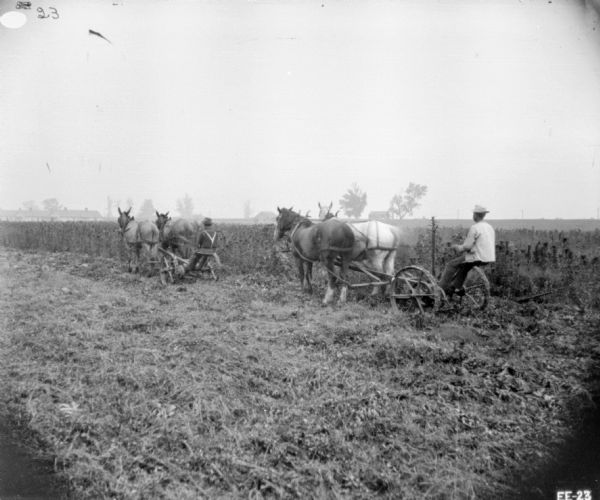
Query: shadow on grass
point(23, 477)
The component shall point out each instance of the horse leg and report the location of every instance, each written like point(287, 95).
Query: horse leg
point(151, 256)
point(389, 264)
point(376, 260)
point(142, 257)
point(328, 262)
point(343, 278)
point(308, 276)
point(130, 259)
point(300, 268)
point(138, 249)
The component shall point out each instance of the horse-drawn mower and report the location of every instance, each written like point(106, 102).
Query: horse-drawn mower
point(204, 261)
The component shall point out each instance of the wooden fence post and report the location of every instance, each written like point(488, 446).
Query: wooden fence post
point(433, 231)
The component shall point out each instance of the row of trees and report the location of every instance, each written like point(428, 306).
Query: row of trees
point(50, 205)
point(185, 207)
point(352, 204)
point(354, 201)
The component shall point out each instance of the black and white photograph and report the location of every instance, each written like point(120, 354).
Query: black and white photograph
point(311, 249)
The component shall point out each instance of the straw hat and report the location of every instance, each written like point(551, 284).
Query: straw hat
point(478, 209)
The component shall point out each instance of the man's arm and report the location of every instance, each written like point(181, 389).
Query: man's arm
point(469, 240)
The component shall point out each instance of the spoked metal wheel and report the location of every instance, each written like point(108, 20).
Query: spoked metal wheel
point(415, 289)
point(477, 291)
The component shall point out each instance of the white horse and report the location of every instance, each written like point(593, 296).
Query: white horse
point(375, 244)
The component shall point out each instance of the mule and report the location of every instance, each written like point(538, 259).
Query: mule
point(375, 244)
point(178, 236)
point(138, 236)
point(317, 242)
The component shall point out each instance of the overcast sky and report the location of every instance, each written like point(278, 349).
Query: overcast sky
point(285, 103)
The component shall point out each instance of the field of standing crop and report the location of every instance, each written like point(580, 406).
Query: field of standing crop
point(245, 388)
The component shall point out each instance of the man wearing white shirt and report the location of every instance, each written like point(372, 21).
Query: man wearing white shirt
point(478, 249)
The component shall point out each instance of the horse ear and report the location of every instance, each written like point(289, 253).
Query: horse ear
point(330, 205)
point(119, 209)
point(308, 213)
point(320, 205)
point(278, 209)
point(157, 214)
point(336, 214)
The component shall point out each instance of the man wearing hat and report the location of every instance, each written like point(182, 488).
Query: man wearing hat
point(479, 248)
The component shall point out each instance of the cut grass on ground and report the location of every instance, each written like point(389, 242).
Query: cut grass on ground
point(245, 387)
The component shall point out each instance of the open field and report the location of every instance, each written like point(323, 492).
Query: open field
point(246, 388)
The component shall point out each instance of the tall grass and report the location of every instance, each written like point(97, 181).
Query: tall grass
point(528, 262)
point(243, 248)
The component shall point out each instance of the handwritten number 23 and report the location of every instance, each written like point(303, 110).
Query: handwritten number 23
point(43, 15)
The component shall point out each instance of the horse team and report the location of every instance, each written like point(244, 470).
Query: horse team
point(330, 241)
point(336, 245)
point(143, 238)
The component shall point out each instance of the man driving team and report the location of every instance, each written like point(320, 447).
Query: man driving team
point(478, 249)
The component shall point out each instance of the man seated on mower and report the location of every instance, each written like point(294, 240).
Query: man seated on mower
point(478, 249)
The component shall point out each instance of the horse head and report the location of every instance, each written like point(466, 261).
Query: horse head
point(325, 212)
point(161, 220)
point(124, 218)
point(286, 220)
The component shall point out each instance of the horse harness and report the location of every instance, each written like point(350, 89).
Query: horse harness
point(303, 257)
point(367, 240)
point(138, 236)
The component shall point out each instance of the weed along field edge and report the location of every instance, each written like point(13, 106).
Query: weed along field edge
point(245, 387)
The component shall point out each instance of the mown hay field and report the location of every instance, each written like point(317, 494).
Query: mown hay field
point(245, 387)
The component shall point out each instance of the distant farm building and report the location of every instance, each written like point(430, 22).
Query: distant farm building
point(45, 215)
point(379, 215)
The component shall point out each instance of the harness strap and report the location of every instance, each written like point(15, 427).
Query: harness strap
point(303, 257)
point(211, 238)
point(368, 240)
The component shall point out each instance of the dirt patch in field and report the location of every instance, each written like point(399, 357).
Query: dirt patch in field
point(246, 386)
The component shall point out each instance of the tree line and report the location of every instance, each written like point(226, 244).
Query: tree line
point(404, 203)
point(352, 204)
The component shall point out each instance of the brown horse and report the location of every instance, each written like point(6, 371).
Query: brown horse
point(177, 235)
point(138, 236)
point(322, 242)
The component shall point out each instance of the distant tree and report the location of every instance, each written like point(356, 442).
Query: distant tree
point(51, 205)
point(147, 211)
point(403, 204)
point(354, 201)
point(185, 206)
point(247, 209)
point(30, 205)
